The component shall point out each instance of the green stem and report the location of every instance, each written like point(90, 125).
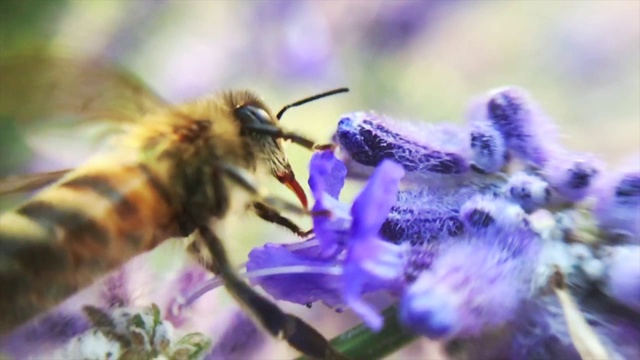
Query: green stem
point(361, 342)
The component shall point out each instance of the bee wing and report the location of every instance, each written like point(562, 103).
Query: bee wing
point(66, 108)
point(22, 183)
point(40, 87)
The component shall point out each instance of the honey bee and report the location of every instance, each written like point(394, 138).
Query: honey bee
point(169, 173)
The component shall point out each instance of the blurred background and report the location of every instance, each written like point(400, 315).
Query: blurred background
point(414, 60)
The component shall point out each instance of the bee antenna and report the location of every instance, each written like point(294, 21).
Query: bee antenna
point(311, 98)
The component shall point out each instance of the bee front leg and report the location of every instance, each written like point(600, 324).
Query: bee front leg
point(245, 180)
point(270, 214)
point(300, 335)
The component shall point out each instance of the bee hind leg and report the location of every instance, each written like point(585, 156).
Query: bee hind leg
point(300, 335)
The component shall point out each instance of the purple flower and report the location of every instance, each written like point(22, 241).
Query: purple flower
point(393, 28)
point(421, 225)
point(369, 262)
point(188, 280)
point(541, 331)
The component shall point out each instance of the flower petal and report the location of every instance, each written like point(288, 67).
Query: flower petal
point(372, 206)
point(326, 174)
point(299, 288)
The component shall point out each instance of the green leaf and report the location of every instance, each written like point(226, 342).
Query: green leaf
point(361, 342)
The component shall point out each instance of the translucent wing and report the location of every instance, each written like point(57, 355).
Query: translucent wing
point(22, 183)
point(67, 108)
point(40, 87)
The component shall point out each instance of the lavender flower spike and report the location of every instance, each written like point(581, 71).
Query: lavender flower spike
point(369, 258)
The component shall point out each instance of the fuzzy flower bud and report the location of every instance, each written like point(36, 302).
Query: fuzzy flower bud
point(528, 133)
point(419, 226)
point(477, 282)
point(618, 204)
point(529, 191)
point(623, 275)
point(485, 214)
point(472, 286)
point(423, 150)
point(488, 148)
point(572, 175)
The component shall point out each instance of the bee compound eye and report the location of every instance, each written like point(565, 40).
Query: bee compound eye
point(251, 115)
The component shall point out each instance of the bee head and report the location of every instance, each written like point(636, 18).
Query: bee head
point(257, 122)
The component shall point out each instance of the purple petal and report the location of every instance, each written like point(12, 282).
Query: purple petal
point(331, 231)
point(371, 261)
point(372, 206)
point(301, 289)
point(372, 264)
point(326, 174)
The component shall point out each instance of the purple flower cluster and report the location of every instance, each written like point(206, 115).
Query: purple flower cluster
point(467, 245)
point(440, 295)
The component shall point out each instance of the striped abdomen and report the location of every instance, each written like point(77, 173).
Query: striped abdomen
point(90, 222)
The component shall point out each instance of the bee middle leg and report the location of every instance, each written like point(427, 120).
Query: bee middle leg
point(247, 182)
point(271, 214)
point(266, 205)
point(300, 335)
